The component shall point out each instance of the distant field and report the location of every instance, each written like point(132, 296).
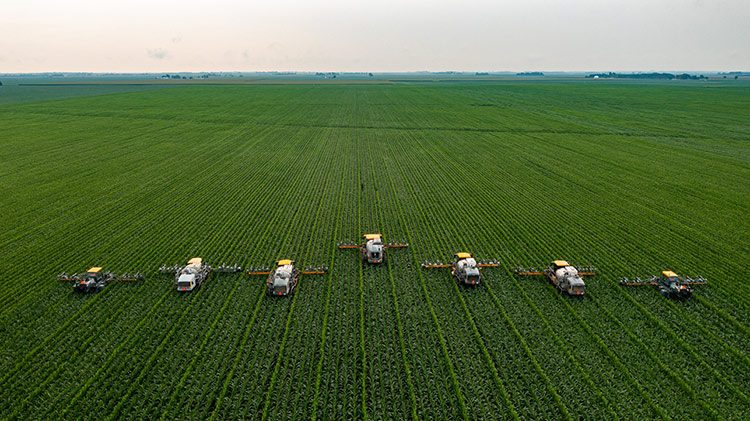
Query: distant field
point(29, 90)
point(630, 177)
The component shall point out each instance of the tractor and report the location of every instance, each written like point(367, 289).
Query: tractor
point(669, 284)
point(372, 248)
point(464, 268)
point(283, 280)
point(566, 277)
point(94, 279)
point(195, 272)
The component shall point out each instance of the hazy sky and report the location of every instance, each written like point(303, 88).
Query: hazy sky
point(375, 35)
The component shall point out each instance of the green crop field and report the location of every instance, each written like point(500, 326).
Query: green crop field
point(630, 177)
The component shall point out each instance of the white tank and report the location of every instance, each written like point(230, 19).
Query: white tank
point(374, 246)
point(285, 270)
point(467, 263)
point(566, 272)
point(282, 276)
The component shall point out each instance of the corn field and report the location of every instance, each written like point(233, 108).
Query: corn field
point(631, 178)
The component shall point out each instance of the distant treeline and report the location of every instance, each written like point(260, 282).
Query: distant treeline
point(168, 76)
point(530, 74)
point(666, 76)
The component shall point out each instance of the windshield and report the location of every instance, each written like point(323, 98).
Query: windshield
point(280, 288)
point(183, 284)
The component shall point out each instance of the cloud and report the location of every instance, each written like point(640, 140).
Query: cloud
point(176, 40)
point(158, 54)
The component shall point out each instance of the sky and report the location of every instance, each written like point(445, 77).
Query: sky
point(373, 36)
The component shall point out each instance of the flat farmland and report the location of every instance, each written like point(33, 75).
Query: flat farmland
point(632, 178)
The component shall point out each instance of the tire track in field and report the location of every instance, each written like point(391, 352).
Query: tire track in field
point(306, 252)
point(389, 390)
point(326, 311)
point(362, 349)
point(432, 383)
point(399, 324)
point(305, 403)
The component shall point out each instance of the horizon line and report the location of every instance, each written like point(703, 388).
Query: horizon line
point(313, 72)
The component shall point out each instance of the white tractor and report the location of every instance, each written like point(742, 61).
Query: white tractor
point(195, 272)
point(283, 280)
point(192, 275)
point(566, 277)
point(373, 248)
point(464, 269)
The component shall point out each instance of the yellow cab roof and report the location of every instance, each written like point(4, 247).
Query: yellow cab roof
point(283, 262)
point(94, 269)
point(372, 236)
point(561, 263)
point(463, 255)
point(195, 261)
point(668, 273)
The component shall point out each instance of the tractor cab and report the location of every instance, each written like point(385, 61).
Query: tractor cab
point(576, 286)
point(466, 270)
point(373, 249)
point(670, 277)
point(186, 281)
point(672, 286)
point(566, 277)
point(94, 274)
point(186, 278)
point(472, 276)
point(283, 279)
point(92, 281)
